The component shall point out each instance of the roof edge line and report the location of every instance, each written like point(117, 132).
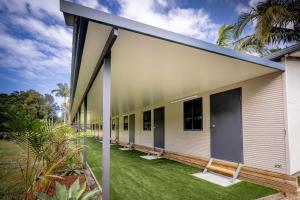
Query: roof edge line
point(138, 27)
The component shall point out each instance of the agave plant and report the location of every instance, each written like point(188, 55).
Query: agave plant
point(75, 192)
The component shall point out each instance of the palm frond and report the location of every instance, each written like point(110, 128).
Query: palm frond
point(243, 20)
point(283, 35)
point(224, 35)
point(250, 44)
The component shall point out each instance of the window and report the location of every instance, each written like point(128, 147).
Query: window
point(113, 124)
point(125, 124)
point(101, 127)
point(193, 115)
point(147, 120)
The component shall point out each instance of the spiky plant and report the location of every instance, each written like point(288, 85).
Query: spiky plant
point(47, 147)
point(76, 192)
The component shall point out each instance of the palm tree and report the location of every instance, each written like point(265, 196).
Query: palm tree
point(276, 22)
point(63, 91)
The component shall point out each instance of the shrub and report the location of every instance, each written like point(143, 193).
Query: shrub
point(47, 147)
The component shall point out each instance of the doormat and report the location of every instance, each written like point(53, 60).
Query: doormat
point(150, 157)
point(217, 179)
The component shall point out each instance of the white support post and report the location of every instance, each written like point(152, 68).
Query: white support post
point(106, 126)
point(84, 136)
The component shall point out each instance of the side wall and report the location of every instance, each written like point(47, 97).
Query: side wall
point(263, 125)
point(292, 82)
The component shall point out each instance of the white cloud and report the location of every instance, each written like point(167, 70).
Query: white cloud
point(243, 8)
point(192, 22)
point(38, 8)
point(34, 43)
point(93, 4)
point(253, 3)
point(33, 59)
point(57, 35)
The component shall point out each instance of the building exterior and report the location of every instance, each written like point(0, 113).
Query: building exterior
point(155, 88)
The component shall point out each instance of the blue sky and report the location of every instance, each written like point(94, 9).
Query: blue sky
point(35, 44)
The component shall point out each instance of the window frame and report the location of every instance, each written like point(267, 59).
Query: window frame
point(201, 106)
point(127, 123)
point(150, 121)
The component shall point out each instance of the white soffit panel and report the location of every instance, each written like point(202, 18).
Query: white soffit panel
point(296, 54)
point(94, 97)
point(149, 71)
point(96, 38)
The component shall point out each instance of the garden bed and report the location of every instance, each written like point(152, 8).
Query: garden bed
point(66, 181)
point(45, 160)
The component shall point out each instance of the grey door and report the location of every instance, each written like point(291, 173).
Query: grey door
point(117, 128)
point(132, 128)
point(159, 127)
point(226, 126)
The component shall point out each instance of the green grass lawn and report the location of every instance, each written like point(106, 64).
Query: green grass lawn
point(10, 174)
point(134, 178)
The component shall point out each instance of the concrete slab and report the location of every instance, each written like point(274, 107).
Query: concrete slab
point(217, 179)
point(150, 157)
point(124, 149)
point(278, 196)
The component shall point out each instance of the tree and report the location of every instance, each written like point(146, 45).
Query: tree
point(30, 103)
point(63, 91)
point(51, 107)
point(276, 22)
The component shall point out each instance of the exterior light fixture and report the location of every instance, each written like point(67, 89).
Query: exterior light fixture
point(184, 99)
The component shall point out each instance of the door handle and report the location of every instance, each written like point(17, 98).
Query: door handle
point(213, 126)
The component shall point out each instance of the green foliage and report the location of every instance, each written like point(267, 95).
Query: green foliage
point(276, 22)
point(29, 105)
point(47, 147)
point(11, 187)
point(224, 35)
point(72, 168)
point(76, 192)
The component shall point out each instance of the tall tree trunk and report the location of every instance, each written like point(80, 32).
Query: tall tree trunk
point(65, 109)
